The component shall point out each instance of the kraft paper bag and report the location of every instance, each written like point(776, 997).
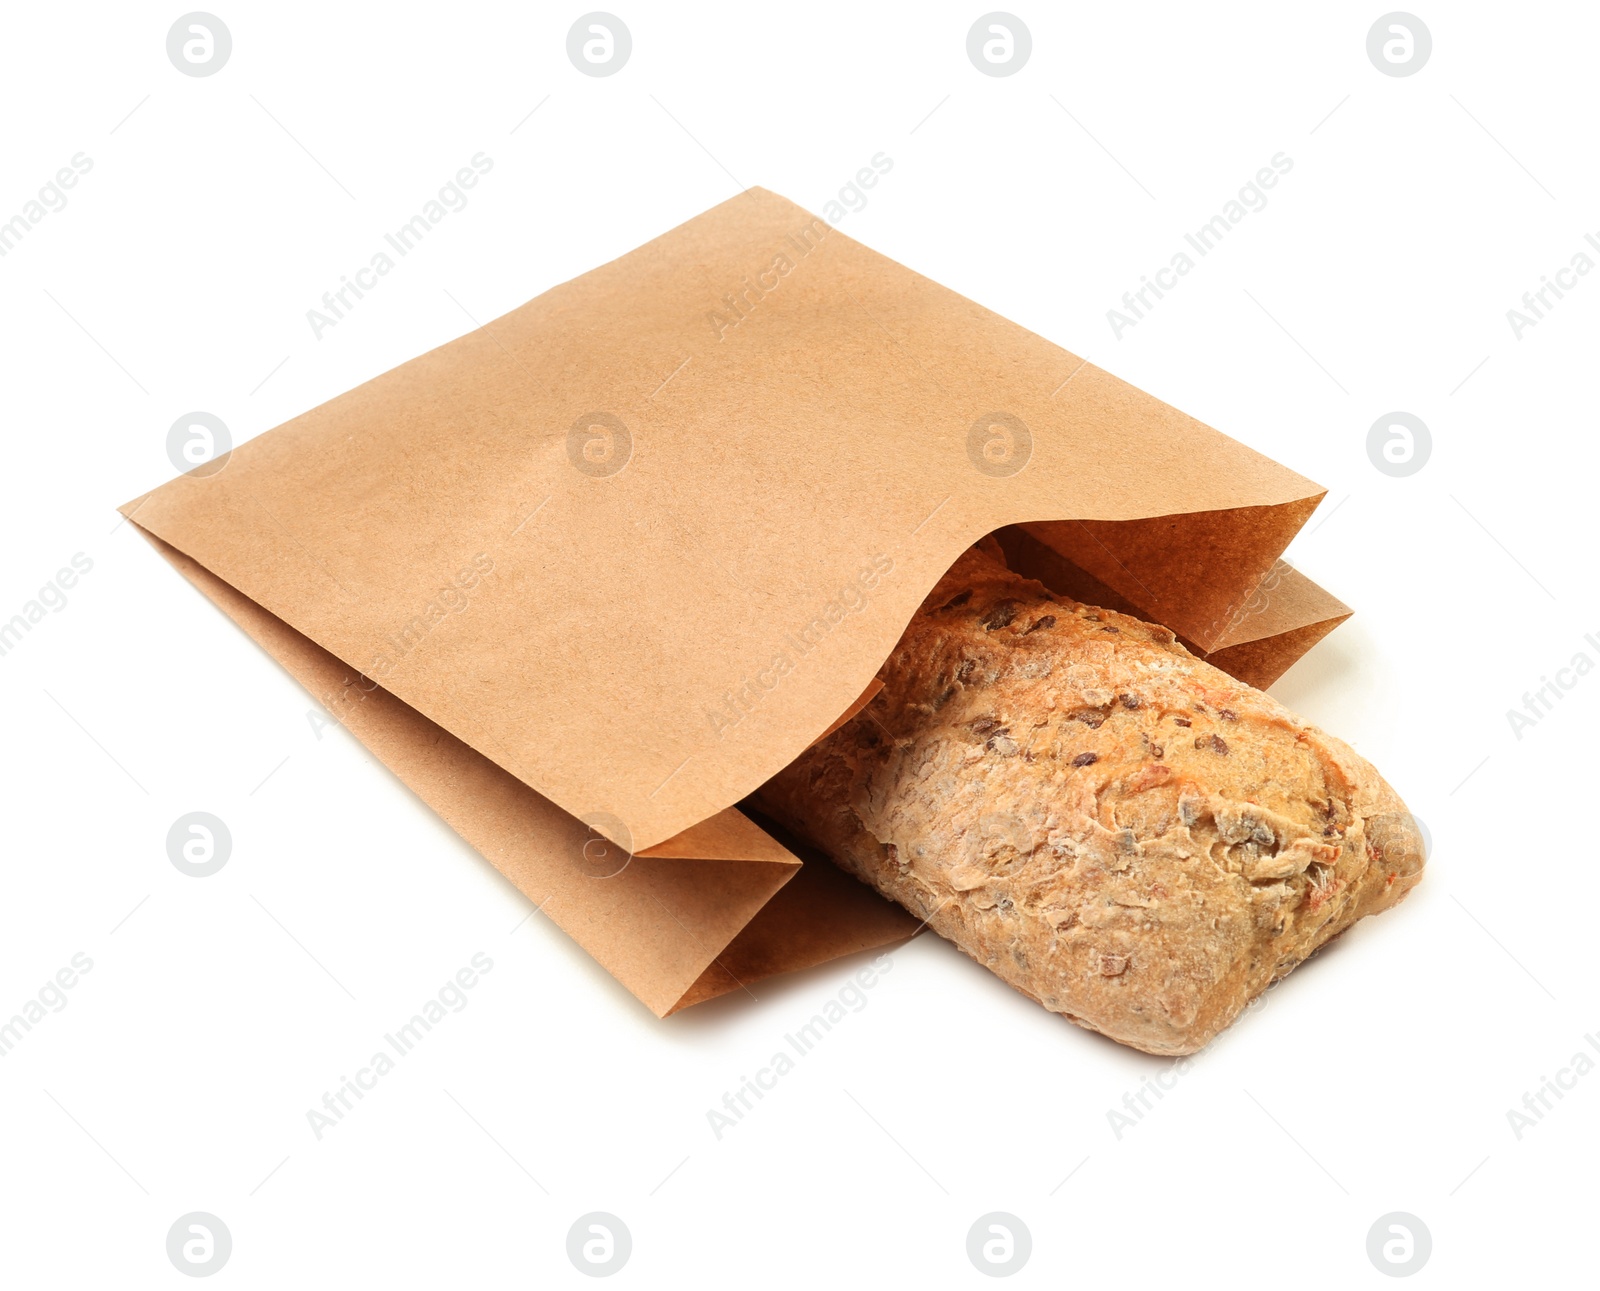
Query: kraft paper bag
point(587, 576)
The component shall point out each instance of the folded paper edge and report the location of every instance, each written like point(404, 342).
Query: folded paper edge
point(766, 877)
point(1254, 656)
point(857, 918)
point(869, 921)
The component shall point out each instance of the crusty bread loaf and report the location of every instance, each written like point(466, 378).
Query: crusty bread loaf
point(1128, 835)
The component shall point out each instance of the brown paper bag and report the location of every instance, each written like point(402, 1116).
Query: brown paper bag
point(587, 576)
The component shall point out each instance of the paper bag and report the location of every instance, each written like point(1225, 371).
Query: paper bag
point(587, 576)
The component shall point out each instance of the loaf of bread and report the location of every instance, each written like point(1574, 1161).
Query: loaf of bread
point(1125, 833)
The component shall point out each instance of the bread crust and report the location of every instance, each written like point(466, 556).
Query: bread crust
point(1121, 831)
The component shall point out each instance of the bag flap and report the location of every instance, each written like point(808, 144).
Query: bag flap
point(641, 540)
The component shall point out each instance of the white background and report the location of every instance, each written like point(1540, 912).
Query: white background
point(218, 1011)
